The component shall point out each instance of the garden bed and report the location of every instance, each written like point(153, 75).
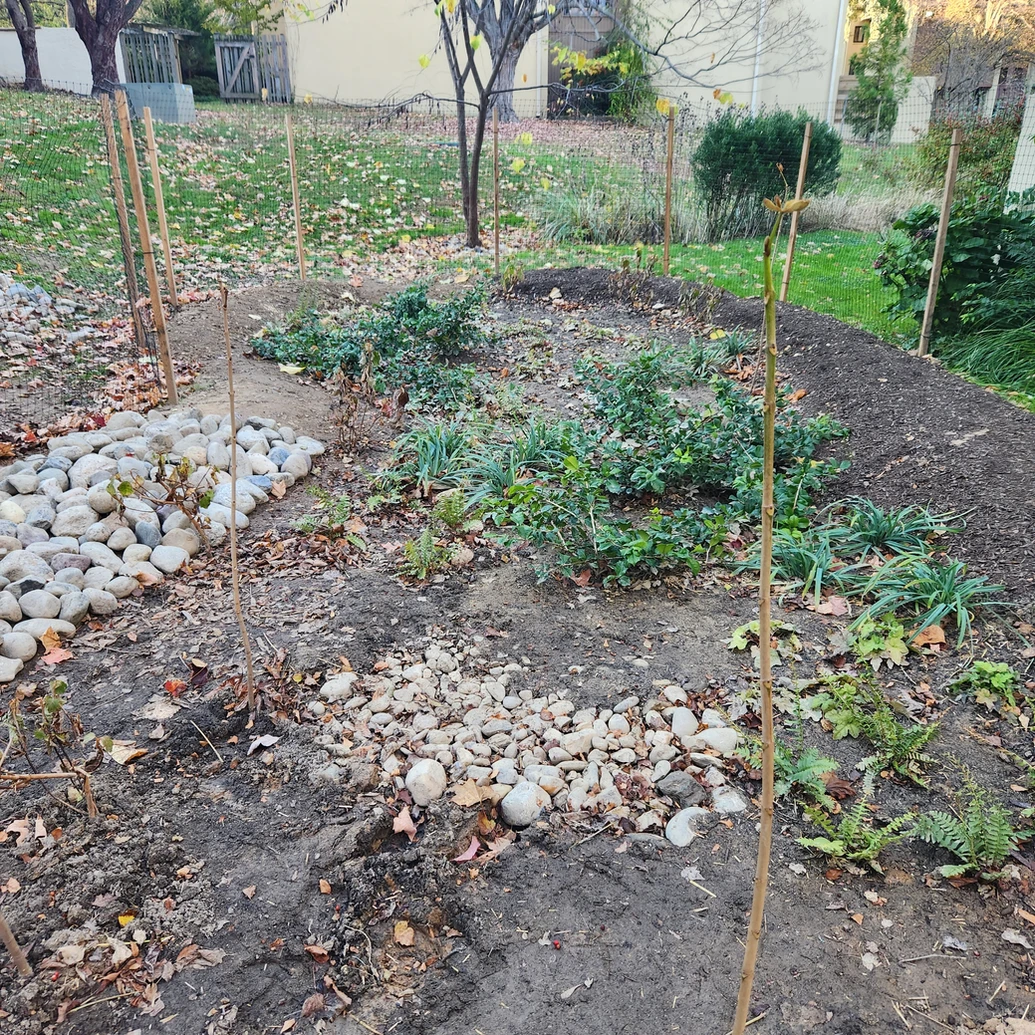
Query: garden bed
point(261, 888)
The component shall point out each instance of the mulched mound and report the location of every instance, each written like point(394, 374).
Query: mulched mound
point(920, 434)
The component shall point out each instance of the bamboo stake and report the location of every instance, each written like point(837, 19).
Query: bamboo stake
point(299, 243)
point(939, 241)
point(163, 225)
point(792, 238)
point(669, 161)
point(235, 569)
point(765, 669)
point(144, 229)
point(496, 188)
point(8, 938)
point(128, 258)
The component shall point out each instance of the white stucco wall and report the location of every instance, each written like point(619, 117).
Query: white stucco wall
point(370, 51)
point(64, 62)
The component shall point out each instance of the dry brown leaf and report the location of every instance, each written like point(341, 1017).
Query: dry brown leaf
point(403, 823)
point(931, 635)
point(469, 793)
point(325, 887)
point(248, 892)
point(318, 952)
point(277, 490)
point(56, 655)
point(403, 933)
point(50, 640)
point(315, 1004)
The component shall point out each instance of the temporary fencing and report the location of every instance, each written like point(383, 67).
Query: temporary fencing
point(378, 190)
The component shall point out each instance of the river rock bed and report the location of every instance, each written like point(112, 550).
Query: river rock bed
point(450, 719)
point(70, 547)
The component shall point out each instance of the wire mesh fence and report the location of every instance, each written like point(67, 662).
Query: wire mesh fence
point(379, 189)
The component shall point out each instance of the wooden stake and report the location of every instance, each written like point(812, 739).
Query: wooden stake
point(939, 241)
point(299, 243)
point(792, 238)
point(668, 185)
point(8, 938)
point(144, 229)
point(163, 226)
point(235, 570)
point(765, 670)
point(129, 261)
point(496, 188)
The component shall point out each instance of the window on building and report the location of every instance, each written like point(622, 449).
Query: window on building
point(861, 33)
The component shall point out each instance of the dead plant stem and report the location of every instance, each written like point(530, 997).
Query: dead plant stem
point(19, 957)
point(765, 671)
point(235, 568)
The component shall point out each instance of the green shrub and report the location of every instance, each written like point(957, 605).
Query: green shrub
point(986, 152)
point(735, 166)
point(988, 238)
point(989, 683)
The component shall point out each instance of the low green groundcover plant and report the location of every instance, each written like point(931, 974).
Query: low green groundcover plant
point(414, 342)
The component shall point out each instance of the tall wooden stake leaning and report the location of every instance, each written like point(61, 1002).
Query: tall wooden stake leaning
point(235, 569)
point(939, 241)
point(163, 223)
point(157, 312)
point(299, 239)
point(765, 668)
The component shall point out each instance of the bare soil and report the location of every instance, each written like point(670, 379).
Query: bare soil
point(574, 927)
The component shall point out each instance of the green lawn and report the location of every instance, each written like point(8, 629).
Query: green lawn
point(364, 188)
point(833, 273)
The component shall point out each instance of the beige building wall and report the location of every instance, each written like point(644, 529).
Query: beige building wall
point(370, 50)
point(819, 53)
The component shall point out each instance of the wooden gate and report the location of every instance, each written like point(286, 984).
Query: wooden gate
point(150, 56)
point(247, 65)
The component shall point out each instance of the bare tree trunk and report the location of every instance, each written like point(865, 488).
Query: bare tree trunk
point(474, 238)
point(24, 23)
point(99, 30)
point(504, 99)
point(103, 66)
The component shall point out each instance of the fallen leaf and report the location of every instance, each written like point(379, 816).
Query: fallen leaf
point(470, 852)
point(1015, 937)
point(403, 823)
point(126, 918)
point(325, 887)
point(469, 793)
point(832, 606)
point(872, 896)
point(858, 918)
point(265, 741)
point(12, 887)
point(125, 751)
point(403, 934)
point(248, 892)
point(50, 639)
point(931, 635)
point(288, 1025)
point(949, 942)
point(286, 368)
point(318, 952)
point(315, 1004)
point(56, 655)
point(870, 960)
point(1024, 914)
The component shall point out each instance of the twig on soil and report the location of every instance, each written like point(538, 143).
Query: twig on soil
point(589, 837)
point(902, 1016)
point(988, 1001)
point(8, 938)
point(364, 1024)
point(204, 737)
point(933, 1020)
point(754, 1020)
point(235, 570)
point(105, 999)
point(701, 887)
point(370, 949)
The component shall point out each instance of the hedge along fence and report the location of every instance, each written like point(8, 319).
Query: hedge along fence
point(378, 185)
